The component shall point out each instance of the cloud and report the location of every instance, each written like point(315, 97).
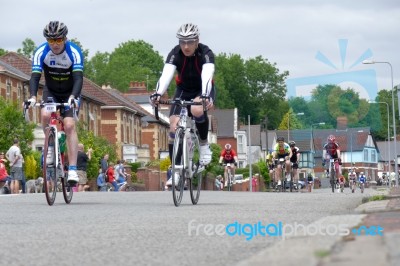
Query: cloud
point(289, 33)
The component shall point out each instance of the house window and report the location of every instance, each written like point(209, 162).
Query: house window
point(8, 86)
point(373, 156)
point(19, 90)
point(366, 155)
point(240, 144)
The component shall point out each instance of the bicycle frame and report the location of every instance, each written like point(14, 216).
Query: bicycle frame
point(186, 142)
point(333, 172)
point(189, 128)
point(229, 176)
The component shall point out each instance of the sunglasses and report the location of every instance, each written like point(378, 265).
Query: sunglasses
point(55, 41)
point(187, 42)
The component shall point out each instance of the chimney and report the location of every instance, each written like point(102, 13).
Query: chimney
point(137, 88)
point(341, 122)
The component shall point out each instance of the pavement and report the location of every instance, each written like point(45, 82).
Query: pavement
point(367, 249)
point(378, 243)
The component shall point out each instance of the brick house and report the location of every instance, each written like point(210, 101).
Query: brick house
point(103, 110)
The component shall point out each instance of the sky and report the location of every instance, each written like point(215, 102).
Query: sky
point(309, 39)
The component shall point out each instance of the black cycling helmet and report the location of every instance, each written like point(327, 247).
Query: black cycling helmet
point(280, 139)
point(55, 30)
point(292, 143)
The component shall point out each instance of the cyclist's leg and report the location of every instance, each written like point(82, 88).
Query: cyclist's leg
point(45, 116)
point(288, 167)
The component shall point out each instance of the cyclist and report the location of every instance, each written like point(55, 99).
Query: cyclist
point(61, 61)
point(332, 151)
point(270, 163)
point(194, 63)
point(228, 155)
point(352, 179)
point(362, 179)
point(294, 159)
point(282, 150)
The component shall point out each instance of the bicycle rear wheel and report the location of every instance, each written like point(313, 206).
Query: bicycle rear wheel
point(49, 166)
point(177, 167)
point(196, 180)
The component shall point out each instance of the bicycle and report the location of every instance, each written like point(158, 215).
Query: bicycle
point(229, 176)
point(362, 186)
point(186, 152)
point(281, 186)
point(333, 169)
point(352, 184)
point(54, 173)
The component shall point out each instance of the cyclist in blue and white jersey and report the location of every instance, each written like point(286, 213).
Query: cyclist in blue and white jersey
point(362, 178)
point(61, 61)
point(194, 63)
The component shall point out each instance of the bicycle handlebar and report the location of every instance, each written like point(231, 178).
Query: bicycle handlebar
point(179, 102)
point(43, 104)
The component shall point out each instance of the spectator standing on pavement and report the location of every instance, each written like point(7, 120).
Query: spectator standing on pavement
point(14, 156)
point(81, 166)
point(104, 163)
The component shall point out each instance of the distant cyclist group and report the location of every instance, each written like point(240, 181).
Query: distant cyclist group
point(283, 163)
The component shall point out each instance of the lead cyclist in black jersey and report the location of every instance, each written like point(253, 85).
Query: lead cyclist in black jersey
point(194, 63)
point(61, 61)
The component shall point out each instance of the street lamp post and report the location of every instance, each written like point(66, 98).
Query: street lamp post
point(312, 139)
point(388, 132)
point(394, 118)
point(288, 124)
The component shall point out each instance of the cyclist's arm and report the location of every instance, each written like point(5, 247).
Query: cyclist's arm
point(206, 78)
point(34, 83)
point(290, 153)
point(77, 78)
point(165, 79)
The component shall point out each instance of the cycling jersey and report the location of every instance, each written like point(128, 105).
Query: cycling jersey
point(191, 72)
point(282, 151)
point(58, 70)
point(352, 176)
point(331, 149)
point(228, 157)
point(295, 151)
point(362, 179)
point(189, 68)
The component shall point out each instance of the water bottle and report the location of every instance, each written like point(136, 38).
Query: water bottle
point(61, 140)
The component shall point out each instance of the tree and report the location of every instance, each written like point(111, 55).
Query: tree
point(100, 147)
point(28, 48)
point(2, 51)
point(96, 69)
point(13, 125)
point(254, 86)
point(132, 61)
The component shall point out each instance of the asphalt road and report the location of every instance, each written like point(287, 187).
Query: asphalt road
point(145, 228)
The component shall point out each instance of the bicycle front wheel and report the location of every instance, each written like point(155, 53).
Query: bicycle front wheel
point(196, 180)
point(177, 167)
point(49, 166)
point(332, 179)
point(66, 189)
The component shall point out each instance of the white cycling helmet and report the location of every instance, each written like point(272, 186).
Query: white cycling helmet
point(361, 173)
point(188, 31)
point(228, 146)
